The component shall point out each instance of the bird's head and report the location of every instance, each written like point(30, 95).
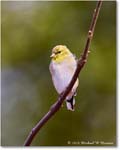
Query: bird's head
point(59, 53)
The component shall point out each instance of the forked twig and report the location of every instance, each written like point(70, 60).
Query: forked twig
point(81, 62)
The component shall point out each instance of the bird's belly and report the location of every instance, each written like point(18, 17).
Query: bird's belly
point(61, 79)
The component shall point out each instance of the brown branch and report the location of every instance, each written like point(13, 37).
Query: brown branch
point(81, 62)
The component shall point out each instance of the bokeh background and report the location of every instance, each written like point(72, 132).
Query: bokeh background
point(29, 31)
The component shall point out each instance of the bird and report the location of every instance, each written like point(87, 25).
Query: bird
point(62, 67)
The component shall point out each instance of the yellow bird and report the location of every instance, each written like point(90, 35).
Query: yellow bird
point(62, 68)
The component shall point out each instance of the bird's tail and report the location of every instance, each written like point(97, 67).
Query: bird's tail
point(70, 103)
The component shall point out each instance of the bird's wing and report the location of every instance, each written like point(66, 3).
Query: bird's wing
point(71, 64)
point(74, 56)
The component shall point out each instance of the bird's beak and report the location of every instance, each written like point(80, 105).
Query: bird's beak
point(52, 55)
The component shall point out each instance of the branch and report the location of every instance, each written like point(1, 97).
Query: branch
point(81, 62)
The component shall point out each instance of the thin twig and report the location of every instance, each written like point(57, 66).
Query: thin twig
point(81, 62)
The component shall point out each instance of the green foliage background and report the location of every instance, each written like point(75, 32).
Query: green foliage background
point(29, 31)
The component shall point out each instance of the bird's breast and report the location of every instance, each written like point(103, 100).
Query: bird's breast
point(62, 76)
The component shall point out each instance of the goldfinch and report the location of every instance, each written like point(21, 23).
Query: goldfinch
point(62, 68)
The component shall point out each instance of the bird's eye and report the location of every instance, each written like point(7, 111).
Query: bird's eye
point(58, 52)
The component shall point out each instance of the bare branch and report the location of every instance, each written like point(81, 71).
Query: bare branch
point(81, 62)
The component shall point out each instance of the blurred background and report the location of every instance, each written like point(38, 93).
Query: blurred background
point(29, 31)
